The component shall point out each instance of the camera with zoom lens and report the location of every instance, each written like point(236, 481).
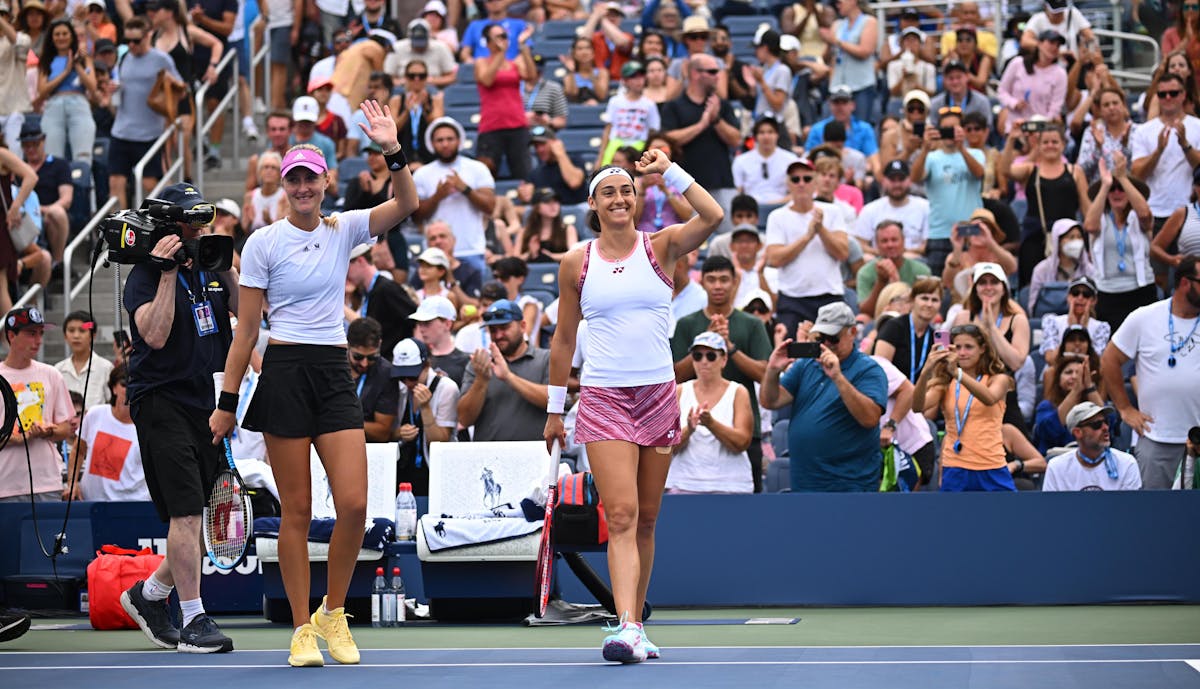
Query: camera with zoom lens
point(132, 234)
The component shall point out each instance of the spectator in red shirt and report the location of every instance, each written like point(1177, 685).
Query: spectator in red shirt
point(613, 47)
point(502, 128)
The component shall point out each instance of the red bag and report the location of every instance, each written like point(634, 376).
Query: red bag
point(108, 576)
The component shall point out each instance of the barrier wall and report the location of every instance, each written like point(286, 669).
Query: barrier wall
point(805, 549)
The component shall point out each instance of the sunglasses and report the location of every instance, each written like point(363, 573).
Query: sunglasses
point(974, 128)
point(133, 40)
point(915, 108)
point(1170, 93)
point(951, 110)
point(700, 356)
point(1191, 7)
point(713, 72)
point(827, 340)
point(756, 308)
point(1082, 292)
point(968, 329)
point(500, 37)
point(696, 37)
point(371, 358)
point(415, 75)
point(796, 179)
point(1094, 425)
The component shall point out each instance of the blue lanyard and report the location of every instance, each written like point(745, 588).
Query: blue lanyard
point(961, 421)
point(367, 23)
point(414, 122)
point(191, 294)
point(1122, 240)
point(1171, 336)
point(414, 417)
point(660, 200)
point(533, 95)
point(913, 367)
point(1110, 463)
point(362, 310)
point(362, 378)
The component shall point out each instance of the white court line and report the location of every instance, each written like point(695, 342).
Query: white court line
point(1194, 663)
point(39, 668)
point(592, 648)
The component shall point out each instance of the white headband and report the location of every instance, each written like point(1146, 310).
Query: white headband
point(607, 172)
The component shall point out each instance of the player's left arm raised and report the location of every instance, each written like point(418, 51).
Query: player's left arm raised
point(688, 236)
point(381, 128)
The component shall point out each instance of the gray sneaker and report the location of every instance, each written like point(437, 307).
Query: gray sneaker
point(153, 617)
point(202, 635)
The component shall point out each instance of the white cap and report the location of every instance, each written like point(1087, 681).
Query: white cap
point(788, 43)
point(305, 109)
point(987, 268)
point(436, 6)
point(229, 206)
point(709, 339)
point(434, 257)
point(360, 250)
point(753, 294)
point(432, 308)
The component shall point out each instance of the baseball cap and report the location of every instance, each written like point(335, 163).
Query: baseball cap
point(745, 228)
point(360, 250)
point(24, 318)
point(914, 31)
point(759, 294)
point(545, 195)
point(418, 33)
point(318, 82)
point(435, 6)
point(1082, 281)
point(1056, 5)
point(897, 168)
point(104, 45)
point(502, 312)
point(96, 3)
point(304, 157)
point(768, 38)
point(183, 195)
point(373, 148)
point(229, 206)
point(541, 132)
point(788, 43)
point(841, 92)
point(432, 308)
point(434, 257)
point(800, 162)
point(708, 339)
point(632, 69)
point(305, 109)
point(408, 358)
point(910, 13)
point(1051, 35)
point(5, 7)
point(834, 318)
point(952, 65)
point(31, 131)
point(493, 290)
point(1084, 411)
point(988, 268)
point(614, 7)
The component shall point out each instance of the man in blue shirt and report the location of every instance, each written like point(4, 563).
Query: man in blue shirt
point(837, 400)
point(859, 135)
point(474, 40)
point(953, 177)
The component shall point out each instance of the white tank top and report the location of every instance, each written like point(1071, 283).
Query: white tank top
point(627, 304)
point(705, 465)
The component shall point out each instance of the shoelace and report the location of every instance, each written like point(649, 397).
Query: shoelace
point(608, 627)
point(305, 635)
point(341, 631)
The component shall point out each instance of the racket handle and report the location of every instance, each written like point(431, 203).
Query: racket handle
point(228, 454)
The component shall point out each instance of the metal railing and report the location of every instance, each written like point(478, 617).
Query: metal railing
point(204, 124)
point(1118, 40)
point(34, 292)
point(256, 58)
point(139, 170)
point(882, 8)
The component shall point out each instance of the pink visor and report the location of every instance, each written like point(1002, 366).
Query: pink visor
point(313, 160)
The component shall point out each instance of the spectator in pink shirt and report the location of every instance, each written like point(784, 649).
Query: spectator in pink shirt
point(1034, 85)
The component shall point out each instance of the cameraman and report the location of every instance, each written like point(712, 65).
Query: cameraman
point(179, 317)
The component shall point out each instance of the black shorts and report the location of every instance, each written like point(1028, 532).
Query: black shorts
point(178, 457)
point(304, 391)
point(123, 155)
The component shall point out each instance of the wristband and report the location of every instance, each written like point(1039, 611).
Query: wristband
point(396, 160)
point(678, 178)
point(958, 376)
point(1020, 466)
point(228, 401)
point(556, 398)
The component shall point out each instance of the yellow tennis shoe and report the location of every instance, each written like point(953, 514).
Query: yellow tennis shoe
point(304, 648)
point(335, 629)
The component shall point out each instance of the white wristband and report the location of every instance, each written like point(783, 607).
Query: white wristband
point(556, 399)
point(678, 178)
point(958, 377)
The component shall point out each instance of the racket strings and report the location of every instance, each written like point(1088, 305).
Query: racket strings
point(227, 520)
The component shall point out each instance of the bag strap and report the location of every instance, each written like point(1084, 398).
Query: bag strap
point(118, 550)
point(1037, 181)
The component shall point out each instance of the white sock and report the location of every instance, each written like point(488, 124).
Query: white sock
point(153, 589)
point(191, 609)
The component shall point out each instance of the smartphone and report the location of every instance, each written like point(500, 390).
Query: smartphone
point(803, 350)
point(969, 229)
point(1033, 127)
point(919, 128)
point(946, 132)
point(942, 337)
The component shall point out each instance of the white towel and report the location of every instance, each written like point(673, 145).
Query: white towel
point(456, 532)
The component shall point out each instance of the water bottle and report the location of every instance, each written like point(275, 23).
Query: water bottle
point(378, 591)
point(398, 594)
point(406, 513)
point(388, 608)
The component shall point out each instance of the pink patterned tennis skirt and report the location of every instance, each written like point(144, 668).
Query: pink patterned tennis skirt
point(645, 415)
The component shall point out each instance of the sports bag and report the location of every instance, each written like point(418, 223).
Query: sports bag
point(113, 571)
point(578, 513)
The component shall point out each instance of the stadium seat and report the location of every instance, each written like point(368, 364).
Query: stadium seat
point(581, 141)
point(561, 29)
point(585, 116)
point(83, 204)
point(764, 209)
point(465, 75)
point(415, 242)
point(508, 187)
point(543, 277)
point(456, 95)
point(1052, 299)
point(744, 27)
point(1023, 298)
point(552, 47)
point(348, 169)
point(546, 297)
point(779, 476)
point(466, 115)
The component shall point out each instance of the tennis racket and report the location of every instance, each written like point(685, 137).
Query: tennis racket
point(545, 561)
point(228, 517)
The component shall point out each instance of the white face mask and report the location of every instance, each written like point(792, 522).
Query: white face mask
point(1072, 248)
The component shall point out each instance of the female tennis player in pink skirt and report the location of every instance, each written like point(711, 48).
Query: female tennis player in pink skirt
point(628, 413)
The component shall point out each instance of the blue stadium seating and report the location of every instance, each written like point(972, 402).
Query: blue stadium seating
point(348, 169)
point(585, 116)
point(560, 29)
point(507, 187)
point(543, 277)
point(545, 296)
point(465, 75)
point(461, 94)
point(466, 115)
point(552, 47)
point(1051, 299)
point(415, 242)
point(581, 141)
point(744, 27)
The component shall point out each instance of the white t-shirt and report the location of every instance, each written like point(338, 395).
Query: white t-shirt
point(261, 202)
point(631, 120)
point(912, 432)
point(279, 14)
point(1069, 28)
point(1053, 328)
point(97, 386)
point(1066, 473)
point(914, 215)
point(304, 274)
point(444, 402)
point(763, 178)
point(1170, 181)
point(112, 470)
point(814, 272)
point(1170, 395)
point(467, 221)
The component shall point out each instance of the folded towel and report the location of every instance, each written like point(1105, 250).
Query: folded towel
point(376, 533)
point(455, 532)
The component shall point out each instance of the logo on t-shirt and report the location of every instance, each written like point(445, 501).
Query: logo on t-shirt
point(108, 456)
point(31, 402)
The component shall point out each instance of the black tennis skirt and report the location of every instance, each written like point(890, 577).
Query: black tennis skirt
point(304, 391)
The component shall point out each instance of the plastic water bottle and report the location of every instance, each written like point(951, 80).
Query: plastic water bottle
point(406, 513)
point(378, 592)
point(397, 591)
point(388, 608)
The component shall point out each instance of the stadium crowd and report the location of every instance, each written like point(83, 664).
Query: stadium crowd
point(989, 241)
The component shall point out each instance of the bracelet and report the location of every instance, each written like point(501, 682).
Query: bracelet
point(1088, 391)
point(677, 177)
point(1020, 465)
point(228, 401)
point(958, 376)
point(396, 159)
point(556, 398)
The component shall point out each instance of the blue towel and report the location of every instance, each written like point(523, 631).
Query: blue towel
point(376, 534)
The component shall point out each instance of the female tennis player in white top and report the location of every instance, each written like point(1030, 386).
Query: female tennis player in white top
point(628, 412)
point(296, 267)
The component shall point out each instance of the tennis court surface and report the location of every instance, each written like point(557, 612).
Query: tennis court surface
point(1143, 646)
